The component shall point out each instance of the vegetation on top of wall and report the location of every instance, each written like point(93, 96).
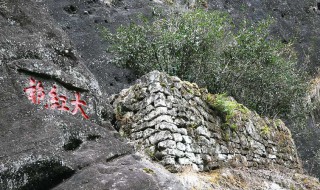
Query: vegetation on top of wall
point(225, 105)
point(206, 48)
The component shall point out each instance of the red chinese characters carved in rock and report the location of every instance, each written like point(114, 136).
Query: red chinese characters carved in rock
point(54, 100)
point(35, 91)
point(36, 94)
point(78, 103)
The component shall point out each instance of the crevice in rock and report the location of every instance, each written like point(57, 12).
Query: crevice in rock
point(93, 137)
point(72, 144)
point(66, 53)
point(71, 9)
point(54, 78)
point(114, 123)
point(36, 176)
point(110, 159)
point(92, 1)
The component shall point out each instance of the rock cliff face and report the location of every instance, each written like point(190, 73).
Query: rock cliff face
point(47, 45)
point(179, 124)
point(42, 143)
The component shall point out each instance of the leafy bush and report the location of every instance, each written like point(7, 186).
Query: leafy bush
point(206, 48)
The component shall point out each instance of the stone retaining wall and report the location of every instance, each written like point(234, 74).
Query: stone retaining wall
point(177, 123)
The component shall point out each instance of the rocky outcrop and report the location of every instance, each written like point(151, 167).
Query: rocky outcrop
point(178, 124)
point(59, 44)
point(43, 145)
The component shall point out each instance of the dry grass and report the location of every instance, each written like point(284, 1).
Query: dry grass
point(245, 179)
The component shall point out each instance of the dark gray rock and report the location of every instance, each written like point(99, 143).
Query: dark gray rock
point(84, 29)
point(123, 173)
point(42, 147)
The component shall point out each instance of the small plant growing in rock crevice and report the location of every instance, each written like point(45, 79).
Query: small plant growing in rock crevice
point(233, 127)
point(265, 130)
point(150, 153)
point(148, 170)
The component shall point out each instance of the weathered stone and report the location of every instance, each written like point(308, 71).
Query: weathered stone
point(188, 148)
point(181, 146)
point(172, 112)
point(168, 160)
point(224, 149)
point(159, 119)
point(158, 111)
point(191, 156)
point(184, 161)
point(216, 135)
point(160, 136)
point(148, 132)
point(167, 126)
point(141, 113)
point(148, 101)
point(243, 140)
point(160, 100)
point(195, 148)
point(222, 157)
point(203, 141)
point(259, 148)
point(252, 130)
point(153, 77)
point(230, 156)
point(167, 144)
point(177, 137)
point(235, 138)
point(183, 131)
point(176, 93)
point(212, 141)
point(270, 156)
point(186, 139)
point(137, 135)
point(188, 96)
point(208, 150)
point(207, 158)
point(218, 149)
point(173, 152)
point(155, 87)
point(176, 79)
point(203, 131)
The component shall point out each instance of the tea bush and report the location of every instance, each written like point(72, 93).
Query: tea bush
point(205, 47)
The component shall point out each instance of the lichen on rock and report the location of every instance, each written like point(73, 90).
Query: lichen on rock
point(177, 123)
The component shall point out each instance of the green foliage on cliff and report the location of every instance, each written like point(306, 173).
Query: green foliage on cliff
point(206, 48)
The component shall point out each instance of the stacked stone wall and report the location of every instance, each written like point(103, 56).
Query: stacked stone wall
point(172, 121)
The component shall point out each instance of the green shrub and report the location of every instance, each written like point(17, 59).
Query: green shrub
point(206, 48)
